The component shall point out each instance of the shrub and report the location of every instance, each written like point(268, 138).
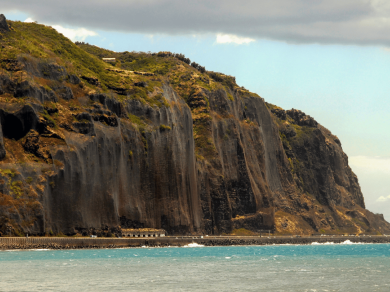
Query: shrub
point(164, 128)
point(9, 172)
point(135, 119)
point(197, 66)
point(182, 58)
point(16, 188)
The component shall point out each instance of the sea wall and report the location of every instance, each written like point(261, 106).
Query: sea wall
point(81, 243)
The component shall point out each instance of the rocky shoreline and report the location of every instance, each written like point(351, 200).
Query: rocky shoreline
point(96, 243)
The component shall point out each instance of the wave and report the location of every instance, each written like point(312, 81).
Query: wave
point(194, 244)
point(328, 243)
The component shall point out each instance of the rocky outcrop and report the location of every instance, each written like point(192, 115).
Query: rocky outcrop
point(3, 23)
point(301, 118)
point(91, 80)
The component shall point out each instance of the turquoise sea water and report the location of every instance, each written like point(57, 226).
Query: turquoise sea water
point(357, 267)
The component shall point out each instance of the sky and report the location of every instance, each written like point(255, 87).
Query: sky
point(328, 58)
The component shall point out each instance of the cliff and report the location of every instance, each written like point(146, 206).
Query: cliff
point(153, 142)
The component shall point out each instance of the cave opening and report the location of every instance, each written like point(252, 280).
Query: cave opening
point(13, 128)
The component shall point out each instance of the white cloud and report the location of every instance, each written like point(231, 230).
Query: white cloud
point(77, 34)
point(383, 199)
point(370, 164)
point(231, 38)
point(74, 34)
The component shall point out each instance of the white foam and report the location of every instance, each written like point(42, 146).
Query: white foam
point(350, 242)
point(329, 243)
point(325, 243)
point(194, 244)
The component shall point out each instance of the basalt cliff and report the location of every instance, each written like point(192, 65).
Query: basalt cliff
point(152, 140)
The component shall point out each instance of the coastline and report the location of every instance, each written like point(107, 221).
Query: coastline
point(22, 243)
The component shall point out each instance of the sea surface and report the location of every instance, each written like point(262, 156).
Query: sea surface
point(330, 267)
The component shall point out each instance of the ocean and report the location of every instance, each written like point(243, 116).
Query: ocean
point(328, 267)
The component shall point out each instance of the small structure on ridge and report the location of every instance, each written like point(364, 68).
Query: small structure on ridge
point(109, 60)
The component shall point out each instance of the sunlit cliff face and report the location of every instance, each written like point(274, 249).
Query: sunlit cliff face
point(155, 141)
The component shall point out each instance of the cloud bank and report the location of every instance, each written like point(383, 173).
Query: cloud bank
point(231, 38)
point(383, 199)
point(371, 164)
point(78, 34)
point(361, 22)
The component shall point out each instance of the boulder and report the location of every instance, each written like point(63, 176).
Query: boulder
point(140, 84)
point(73, 79)
point(3, 23)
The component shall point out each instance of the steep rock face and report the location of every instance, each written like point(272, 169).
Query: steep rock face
point(145, 178)
point(326, 188)
point(320, 165)
point(242, 178)
point(111, 172)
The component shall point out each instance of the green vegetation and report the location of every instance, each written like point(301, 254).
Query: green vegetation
point(9, 172)
point(49, 119)
point(226, 80)
point(133, 61)
point(164, 128)
point(33, 40)
point(204, 144)
point(16, 188)
point(136, 120)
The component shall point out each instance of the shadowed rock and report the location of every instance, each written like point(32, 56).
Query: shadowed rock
point(3, 23)
point(2, 148)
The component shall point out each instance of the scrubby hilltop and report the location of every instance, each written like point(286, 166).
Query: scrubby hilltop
point(156, 141)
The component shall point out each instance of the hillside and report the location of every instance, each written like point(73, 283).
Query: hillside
point(152, 142)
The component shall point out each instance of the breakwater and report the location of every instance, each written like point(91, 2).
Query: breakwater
point(86, 242)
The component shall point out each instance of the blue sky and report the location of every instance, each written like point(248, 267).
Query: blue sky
point(343, 85)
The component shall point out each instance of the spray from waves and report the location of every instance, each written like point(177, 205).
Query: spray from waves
point(350, 242)
point(344, 242)
point(194, 244)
